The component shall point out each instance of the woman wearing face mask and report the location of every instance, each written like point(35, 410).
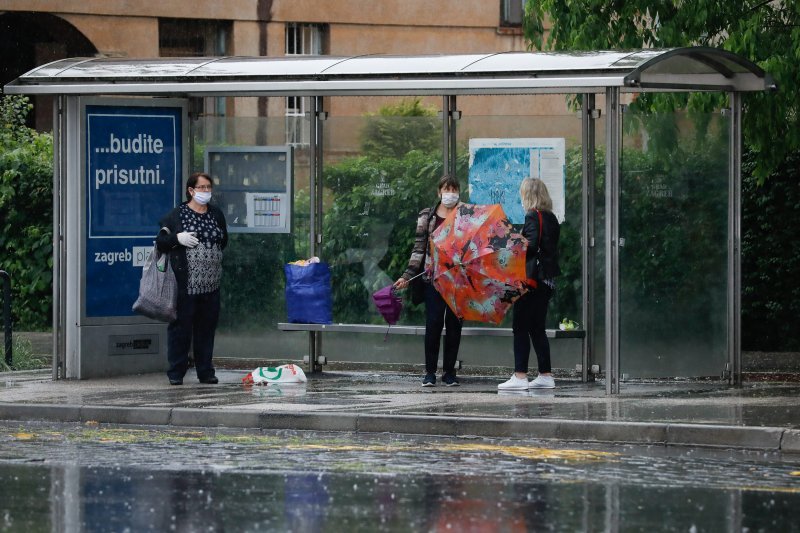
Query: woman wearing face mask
point(194, 234)
point(541, 264)
point(437, 313)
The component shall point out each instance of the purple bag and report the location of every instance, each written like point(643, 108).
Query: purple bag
point(388, 303)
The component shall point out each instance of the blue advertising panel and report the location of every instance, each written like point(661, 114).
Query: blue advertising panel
point(133, 178)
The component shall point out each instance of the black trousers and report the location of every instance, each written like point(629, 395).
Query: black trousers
point(438, 315)
point(530, 314)
point(196, 325)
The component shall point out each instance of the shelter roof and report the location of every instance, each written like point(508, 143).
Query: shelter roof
point(677, 69)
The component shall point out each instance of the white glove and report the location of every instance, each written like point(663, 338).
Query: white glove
point(187, 239)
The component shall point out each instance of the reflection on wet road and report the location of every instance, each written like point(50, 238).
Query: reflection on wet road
point(98, 478)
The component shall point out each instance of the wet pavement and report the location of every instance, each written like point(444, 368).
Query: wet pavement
point(100, 477)
point(757, 415)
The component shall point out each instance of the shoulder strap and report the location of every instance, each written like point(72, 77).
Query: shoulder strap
point(539, 243)
point(431, 213)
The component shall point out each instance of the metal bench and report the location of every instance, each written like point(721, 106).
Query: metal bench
point(315, 359)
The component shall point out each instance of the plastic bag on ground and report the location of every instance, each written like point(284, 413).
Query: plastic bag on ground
point(283, 374)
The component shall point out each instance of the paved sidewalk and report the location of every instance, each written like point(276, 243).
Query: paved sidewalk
point(756, 416)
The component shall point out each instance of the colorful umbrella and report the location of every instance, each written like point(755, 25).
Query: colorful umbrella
point(478, 262)
point(388, 303)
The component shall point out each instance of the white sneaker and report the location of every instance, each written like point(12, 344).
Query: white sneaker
point(543, 382)
point(514, 383)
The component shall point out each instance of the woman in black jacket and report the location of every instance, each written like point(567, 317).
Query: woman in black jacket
point(194, 234)
point(541, 265)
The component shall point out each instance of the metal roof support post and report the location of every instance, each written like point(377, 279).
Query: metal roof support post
point(734, 373)
point(315, 220)
point(59, 251)
point(71, 235)
point(454, 115)
point(445, 134)
point(588, 116)
point(613, 156)
point(449, 135)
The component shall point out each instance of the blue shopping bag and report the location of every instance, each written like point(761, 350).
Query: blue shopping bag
point(308, 293)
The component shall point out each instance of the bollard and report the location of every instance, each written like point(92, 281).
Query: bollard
point(7, 313)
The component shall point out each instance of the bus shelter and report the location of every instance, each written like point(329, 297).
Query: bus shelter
point(637, 191)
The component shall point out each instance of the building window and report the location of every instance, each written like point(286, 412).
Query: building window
point(196, 38)
point(511, 12)
point(193, 38)
point(301, 40)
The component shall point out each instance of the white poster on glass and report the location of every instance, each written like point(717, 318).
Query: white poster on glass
point(498, 166)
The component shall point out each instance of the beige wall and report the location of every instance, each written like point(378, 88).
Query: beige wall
point(118, 36)
point(465, 13)
point(347, 39)
point(245, 38)
point(203, 9)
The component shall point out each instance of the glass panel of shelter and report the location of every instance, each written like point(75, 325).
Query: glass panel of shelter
point(372, 196)
point(253, 281)
point(673, 238)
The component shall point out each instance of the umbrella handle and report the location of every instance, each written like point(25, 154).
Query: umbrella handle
point(418, 275)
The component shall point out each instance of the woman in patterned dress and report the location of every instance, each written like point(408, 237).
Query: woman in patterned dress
point(194, 234)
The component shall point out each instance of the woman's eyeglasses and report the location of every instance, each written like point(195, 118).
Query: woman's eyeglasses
point(203, 187)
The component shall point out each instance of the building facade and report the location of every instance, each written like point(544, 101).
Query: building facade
point(34, 33)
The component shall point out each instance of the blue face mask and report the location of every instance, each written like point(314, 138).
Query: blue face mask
point(449, 199)
point(202, 197)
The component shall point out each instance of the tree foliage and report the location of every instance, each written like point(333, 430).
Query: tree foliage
point(26, 226)
point(771, 258)
point(768, 33)
point(386, 136)
point(369, 228)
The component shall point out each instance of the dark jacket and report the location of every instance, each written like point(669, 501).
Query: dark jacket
point(548, 256)
point(168, 242)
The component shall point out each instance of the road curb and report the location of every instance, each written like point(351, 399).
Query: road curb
point(705, 435)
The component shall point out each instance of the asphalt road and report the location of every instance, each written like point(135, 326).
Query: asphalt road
point(92, 477)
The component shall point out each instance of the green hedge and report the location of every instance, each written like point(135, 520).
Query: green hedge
point(771, 257)
point(26, 204)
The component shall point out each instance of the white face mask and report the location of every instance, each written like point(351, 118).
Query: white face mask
point(202, 197)
point(449, 199)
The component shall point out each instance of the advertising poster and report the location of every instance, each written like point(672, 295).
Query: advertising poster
point(133, 163)
point(498, 166)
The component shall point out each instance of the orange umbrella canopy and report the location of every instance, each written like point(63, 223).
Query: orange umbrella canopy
point(478, 262)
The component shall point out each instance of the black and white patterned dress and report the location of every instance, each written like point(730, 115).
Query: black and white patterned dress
point(205, 259)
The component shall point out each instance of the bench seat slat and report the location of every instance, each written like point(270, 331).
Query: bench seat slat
point(419, 330)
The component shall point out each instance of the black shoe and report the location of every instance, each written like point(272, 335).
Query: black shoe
point(429, 380)
point(450, 380)
point(211, 381)
point(175, 381)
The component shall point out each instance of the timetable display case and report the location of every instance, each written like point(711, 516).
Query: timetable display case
point(252, 186)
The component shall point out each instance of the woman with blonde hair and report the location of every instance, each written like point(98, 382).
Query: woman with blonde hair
point(541, 267)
